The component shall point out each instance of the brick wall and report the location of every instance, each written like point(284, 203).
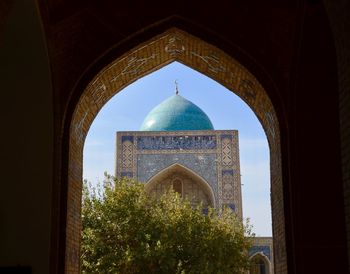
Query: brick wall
point(339, 17)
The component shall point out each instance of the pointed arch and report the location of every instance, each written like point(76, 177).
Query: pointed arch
point(261, 256)
point(180, 169)
point(171, 45)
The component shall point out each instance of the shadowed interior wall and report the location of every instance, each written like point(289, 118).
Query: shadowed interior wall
point(27, 141)
point(339, 17)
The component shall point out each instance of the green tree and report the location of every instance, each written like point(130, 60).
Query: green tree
point(127, 231)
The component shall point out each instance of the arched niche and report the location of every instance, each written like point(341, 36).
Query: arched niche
point(172, 45)
point(259, 264)
point(184, 181)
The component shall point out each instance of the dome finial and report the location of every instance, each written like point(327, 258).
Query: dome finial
point(177, 87)
point(176, 113)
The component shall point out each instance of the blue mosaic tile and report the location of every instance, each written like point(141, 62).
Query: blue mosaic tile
point(126, 174)
point(232, 206)
point(226, 136)
point(176, 142)
point(227, 172)
point(128, 138)
point(204, 165)
point(264, 249)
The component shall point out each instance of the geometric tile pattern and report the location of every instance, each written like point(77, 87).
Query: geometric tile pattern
point(176, 142)
point(231, 186)
point(260, 249)
point(203, 164)
point(127, 155)
point(226, 146)
point(211, 154)
point(227, 188)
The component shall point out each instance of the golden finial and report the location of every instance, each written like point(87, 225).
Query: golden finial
point(177, 87)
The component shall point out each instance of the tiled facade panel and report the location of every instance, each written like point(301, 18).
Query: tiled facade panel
point(204, 165)
point(211, 154)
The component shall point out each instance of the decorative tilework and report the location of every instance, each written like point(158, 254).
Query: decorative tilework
point(127, 155)
point(128, 138)
point(126, 174)
point(175, 45)
point(232, 206)
point(212, 154)
point(226, 136)
point(204, 165)
point(226, 147)
point(227, 186)
point(264, 249)
point(176, 142)
point(248, 88)
point(227, 172)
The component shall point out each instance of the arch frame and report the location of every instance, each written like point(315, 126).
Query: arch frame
point(264, 258)
point(181, 168)
point(171, 45)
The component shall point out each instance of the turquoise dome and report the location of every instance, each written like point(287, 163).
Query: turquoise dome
point(176, 113)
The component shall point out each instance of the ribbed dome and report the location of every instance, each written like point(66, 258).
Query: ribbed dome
point(176, 113)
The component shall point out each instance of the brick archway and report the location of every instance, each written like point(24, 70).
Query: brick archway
point(172, 45)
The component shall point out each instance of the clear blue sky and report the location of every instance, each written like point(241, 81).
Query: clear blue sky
point(126, 111)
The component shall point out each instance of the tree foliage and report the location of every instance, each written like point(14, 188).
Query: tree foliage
point(127, 231)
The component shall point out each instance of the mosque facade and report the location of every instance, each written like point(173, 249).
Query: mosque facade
point(178, 147)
